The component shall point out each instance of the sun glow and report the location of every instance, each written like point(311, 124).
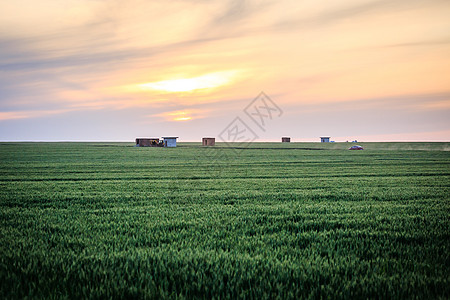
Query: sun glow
point(181, 115)
point(207, 81)
point(182, 119)
point(178, 115)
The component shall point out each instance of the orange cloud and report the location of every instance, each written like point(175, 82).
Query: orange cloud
point(435, 105)
point(11, 115)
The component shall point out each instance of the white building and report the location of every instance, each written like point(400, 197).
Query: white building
point(324, 139)
point(170, 141)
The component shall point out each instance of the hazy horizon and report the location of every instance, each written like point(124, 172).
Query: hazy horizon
point(220, 141)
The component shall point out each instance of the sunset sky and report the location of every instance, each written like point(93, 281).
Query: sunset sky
point(88, 70)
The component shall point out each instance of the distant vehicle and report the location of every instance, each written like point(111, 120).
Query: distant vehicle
point(356, 147)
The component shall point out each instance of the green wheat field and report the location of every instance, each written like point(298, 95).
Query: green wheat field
point(271, 220)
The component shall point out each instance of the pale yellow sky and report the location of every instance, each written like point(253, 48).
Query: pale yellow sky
point(187, 68)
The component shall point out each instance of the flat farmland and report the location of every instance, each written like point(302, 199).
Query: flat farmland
point(268, 220)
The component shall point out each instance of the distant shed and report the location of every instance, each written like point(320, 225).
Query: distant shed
point(285, 139)
point(170, 141)
point(147, 142)
point(324, 139)
point(208, 141)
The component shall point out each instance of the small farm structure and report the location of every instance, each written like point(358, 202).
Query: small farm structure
point(170, 141)
point(285, 139)
point(148, 142)
point(167, 141)
point(208, 141)
point(324, 139)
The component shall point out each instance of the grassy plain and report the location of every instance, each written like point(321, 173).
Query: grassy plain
point(298, 220)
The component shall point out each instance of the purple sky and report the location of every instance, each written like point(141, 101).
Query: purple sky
point(89, 70)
